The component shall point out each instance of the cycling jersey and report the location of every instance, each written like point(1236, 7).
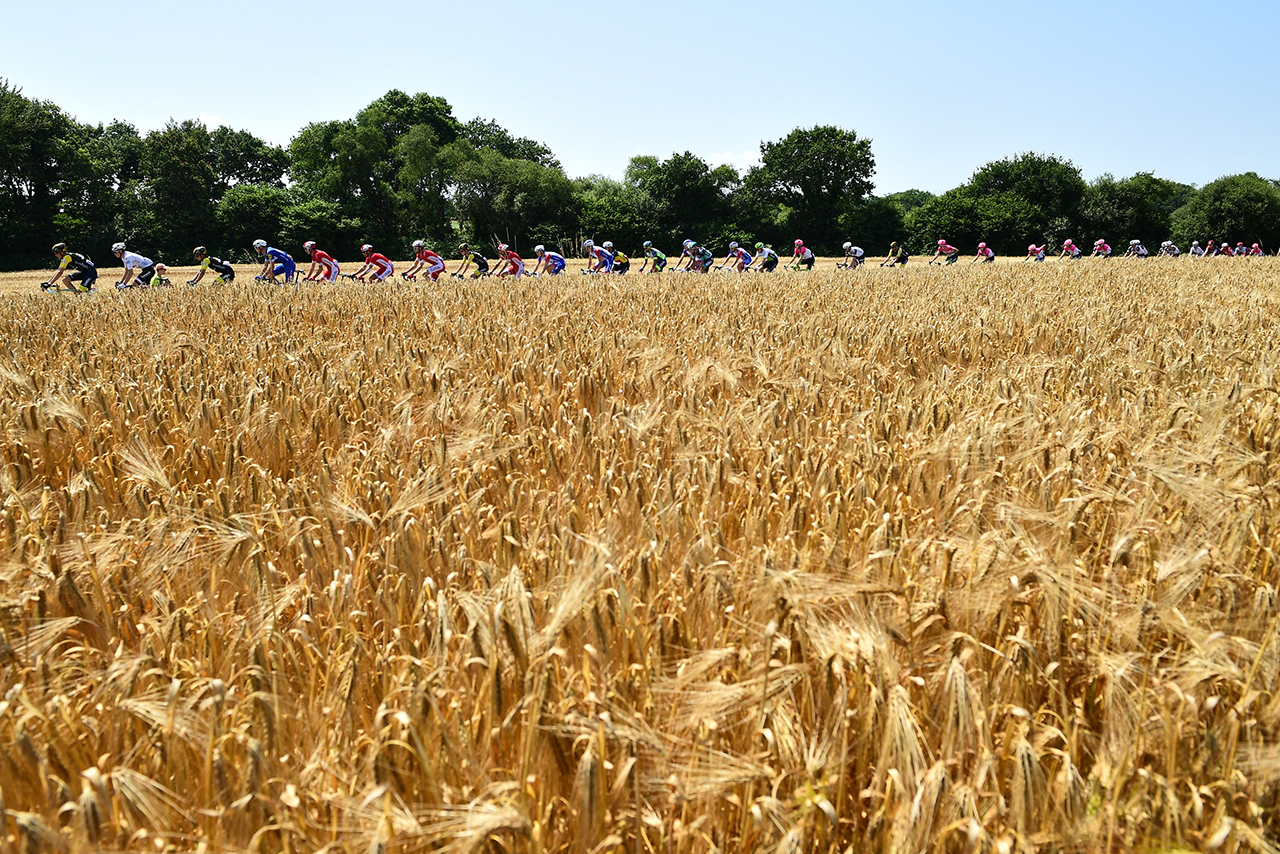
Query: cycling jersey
point(328, 266)
point(603, 258)
point(654, 253)
point(133, 259)
point(741, 254)
point(554, 262)
point(278, 255)
point(948, 249)
point(804, 253)
point(854, 252)
point(619, 258)
point(382, 266)
point(76, 260)
point(217, 265)
point(987, 253)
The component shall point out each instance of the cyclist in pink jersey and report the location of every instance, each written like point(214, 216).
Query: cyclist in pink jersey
point(986, 255)
point(1034, 253)
point(946, 249)
point(1101, 249)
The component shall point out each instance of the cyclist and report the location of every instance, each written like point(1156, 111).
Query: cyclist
point(1255, 249)
point(897, 256)
point(83, 271)
point(853, 256)
point(515, 264)
point(1136, 250)
point(951, 253)
point(1070, 249)
point(1034, 253)
point(375, 263)
point(276, 262)
point(1196, 250)
point(599, 259)
point(1101, 249)
point(470, 257)
point(425, 261)
point(655, 255)
point(323, 267)
point(767, 258)
point(139, 272)
point(225, 272)
point(738, 258)
point(621, 263)
point(803, 256)
point(1169, 249)
point(986, 255)
point(551, 263)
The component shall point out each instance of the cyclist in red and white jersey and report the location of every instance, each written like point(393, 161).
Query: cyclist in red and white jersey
point(515, 264)
point(323, 267)
point(375, 263)
point(946, 249)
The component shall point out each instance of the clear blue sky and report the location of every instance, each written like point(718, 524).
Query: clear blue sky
point(1183, 89)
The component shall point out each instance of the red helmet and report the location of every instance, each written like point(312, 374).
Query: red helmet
point(366, 249)
point(309, 245)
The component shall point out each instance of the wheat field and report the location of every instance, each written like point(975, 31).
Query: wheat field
point(960, 560)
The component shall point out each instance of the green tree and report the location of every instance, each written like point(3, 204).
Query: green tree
point(489, 134)
point(33, 152)
point(249, 212)
point(501, 200)
point(1138, 207)
point(239, 157)
point(178, 189)
point(909, 200)
point(819, 173)
point(1237, 207)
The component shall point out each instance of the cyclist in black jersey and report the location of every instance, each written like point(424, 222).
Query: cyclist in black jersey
point(226, 273)
point(83, 273)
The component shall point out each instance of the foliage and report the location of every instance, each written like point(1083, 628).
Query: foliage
point(1237, 208)
point(1137, 207)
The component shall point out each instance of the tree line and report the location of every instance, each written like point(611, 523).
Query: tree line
point(405, 167)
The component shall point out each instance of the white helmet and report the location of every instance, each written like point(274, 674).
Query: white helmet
point(1195, 243)
point(308, 246)
point(688, 243)
point(847, 246)
point(733, 245)
point(418, 244)
point(117, 247)
point(539, 249)
point(1134, 242)
point(1167, 243)
point(648, 244)
point(367, 248)
point(587, 244)
point(259, 244)
point(607, 244)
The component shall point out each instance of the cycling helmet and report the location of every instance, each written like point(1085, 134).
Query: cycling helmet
point(799, 243)
point(733, 245)
point(1255, 246)
point(366, 249)
point(1195, 243)
point(1239, 244)
point(259, 244)
point(418, 244)
point(502, 247)
point(1032, 248)
point(893, 245)
point(539, 249)
point(199, 251)
point(1099, 242)
point(308, 246)
point(607, 244)
point(59, 247)
point(759, 245)
point(1066, 243)
point(648, 244)
point(847, 246)
point(1166, 243)
point(1134, 242)
point(982, 246)
point(942, 243)
point(117, 247)
point(587, 244)
point(462, 247)
point(688, 243)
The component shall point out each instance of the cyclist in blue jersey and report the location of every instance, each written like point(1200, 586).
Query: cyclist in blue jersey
point(276, 263)
point(738, 258)
point(600, 260)
point(551, 263)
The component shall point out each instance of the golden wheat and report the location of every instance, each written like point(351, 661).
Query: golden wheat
point(929, 559)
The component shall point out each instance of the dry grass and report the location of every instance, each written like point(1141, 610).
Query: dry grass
point(947, 560)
